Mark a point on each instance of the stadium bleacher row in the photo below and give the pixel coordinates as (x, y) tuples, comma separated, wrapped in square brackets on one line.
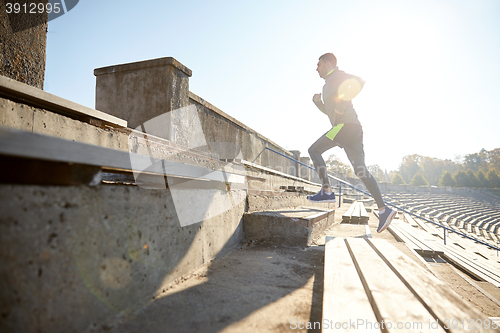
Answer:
[(478, 218)]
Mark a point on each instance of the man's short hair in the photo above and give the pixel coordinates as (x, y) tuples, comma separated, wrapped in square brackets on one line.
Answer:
[(329, 57)]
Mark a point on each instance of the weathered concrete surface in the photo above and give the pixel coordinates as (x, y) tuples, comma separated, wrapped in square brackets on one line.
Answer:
[(23, 117), (77, 256), (256, 288), (74, 257), (285, 226), (263, 181), (272, 200), (140, 91), (220, 127), (155, 94), (26, 118), (32, 96), (22, 55)]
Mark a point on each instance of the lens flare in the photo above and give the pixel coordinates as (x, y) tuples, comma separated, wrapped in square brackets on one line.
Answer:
[(349, 89)]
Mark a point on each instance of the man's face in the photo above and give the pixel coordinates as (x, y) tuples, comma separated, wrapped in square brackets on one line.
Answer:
[(322, 69)]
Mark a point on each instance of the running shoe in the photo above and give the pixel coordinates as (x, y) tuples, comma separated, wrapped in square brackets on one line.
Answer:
[(322, 196), (385, 219)]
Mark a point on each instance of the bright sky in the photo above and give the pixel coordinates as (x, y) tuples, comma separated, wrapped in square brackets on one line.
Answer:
[(432, 67)]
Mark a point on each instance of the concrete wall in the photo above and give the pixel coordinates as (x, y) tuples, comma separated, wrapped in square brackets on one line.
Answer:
[(155, 94), (27, 118), (219, 127), (73, 257), (23, 40)]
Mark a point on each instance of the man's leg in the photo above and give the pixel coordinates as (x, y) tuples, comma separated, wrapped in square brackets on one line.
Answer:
[(360, 169), (323, 144), (352, 141), (319, 147)]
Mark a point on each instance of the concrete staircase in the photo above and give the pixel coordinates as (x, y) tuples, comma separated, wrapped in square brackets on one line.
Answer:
[(285, 218)]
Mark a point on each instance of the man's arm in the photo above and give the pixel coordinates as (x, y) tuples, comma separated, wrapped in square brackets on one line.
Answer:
[(319, 103)]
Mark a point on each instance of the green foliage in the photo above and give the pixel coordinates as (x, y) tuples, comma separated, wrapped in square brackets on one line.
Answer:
[(418, 180), (446, 179), (481, 170), (494, 160), (377, 173), (460, 179), (471, 179), (431, 168), (481, 179), (477, 161), (398, 180), (493, 179), (410, 166)]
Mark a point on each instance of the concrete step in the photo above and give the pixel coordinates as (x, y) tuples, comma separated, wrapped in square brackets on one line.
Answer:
[(259, 200), (299, 226)]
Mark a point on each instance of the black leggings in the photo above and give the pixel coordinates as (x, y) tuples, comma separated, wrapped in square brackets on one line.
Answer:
[(350, 137)]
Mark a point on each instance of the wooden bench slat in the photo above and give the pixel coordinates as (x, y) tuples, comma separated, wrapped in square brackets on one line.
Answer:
[(412, 242), (344, 298), (471, 246), (422, 239), (476, 266), (410, 220), (363, 214), (346, 217), (437, 295), (387, 290), (355, 213), (427, 227)]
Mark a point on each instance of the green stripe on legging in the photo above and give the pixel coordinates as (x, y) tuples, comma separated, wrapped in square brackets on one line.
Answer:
[(334, 131)]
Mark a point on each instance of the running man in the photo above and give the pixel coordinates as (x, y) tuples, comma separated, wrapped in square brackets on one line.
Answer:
[(339, 89)]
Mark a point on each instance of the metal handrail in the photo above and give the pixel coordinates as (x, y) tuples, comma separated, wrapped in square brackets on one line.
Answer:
[(391, 204)]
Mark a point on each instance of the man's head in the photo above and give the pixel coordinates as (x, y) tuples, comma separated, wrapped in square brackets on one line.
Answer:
[(326, 63)]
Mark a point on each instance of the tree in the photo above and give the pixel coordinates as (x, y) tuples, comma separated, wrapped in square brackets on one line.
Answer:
[(431, 168), (494, 160), (471, 179), (481, 179), (410, 166), (397, 180), (418, 180), (493, 179), (446, 179), (476, 161), (335, 165), (377, 173), (460, 179)]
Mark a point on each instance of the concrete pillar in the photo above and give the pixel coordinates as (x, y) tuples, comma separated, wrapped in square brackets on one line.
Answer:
[(23, 42), (296, 155), (141, 91), (303, 171)]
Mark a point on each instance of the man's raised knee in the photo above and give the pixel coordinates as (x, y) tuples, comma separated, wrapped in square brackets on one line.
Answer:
[(311, 150)]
